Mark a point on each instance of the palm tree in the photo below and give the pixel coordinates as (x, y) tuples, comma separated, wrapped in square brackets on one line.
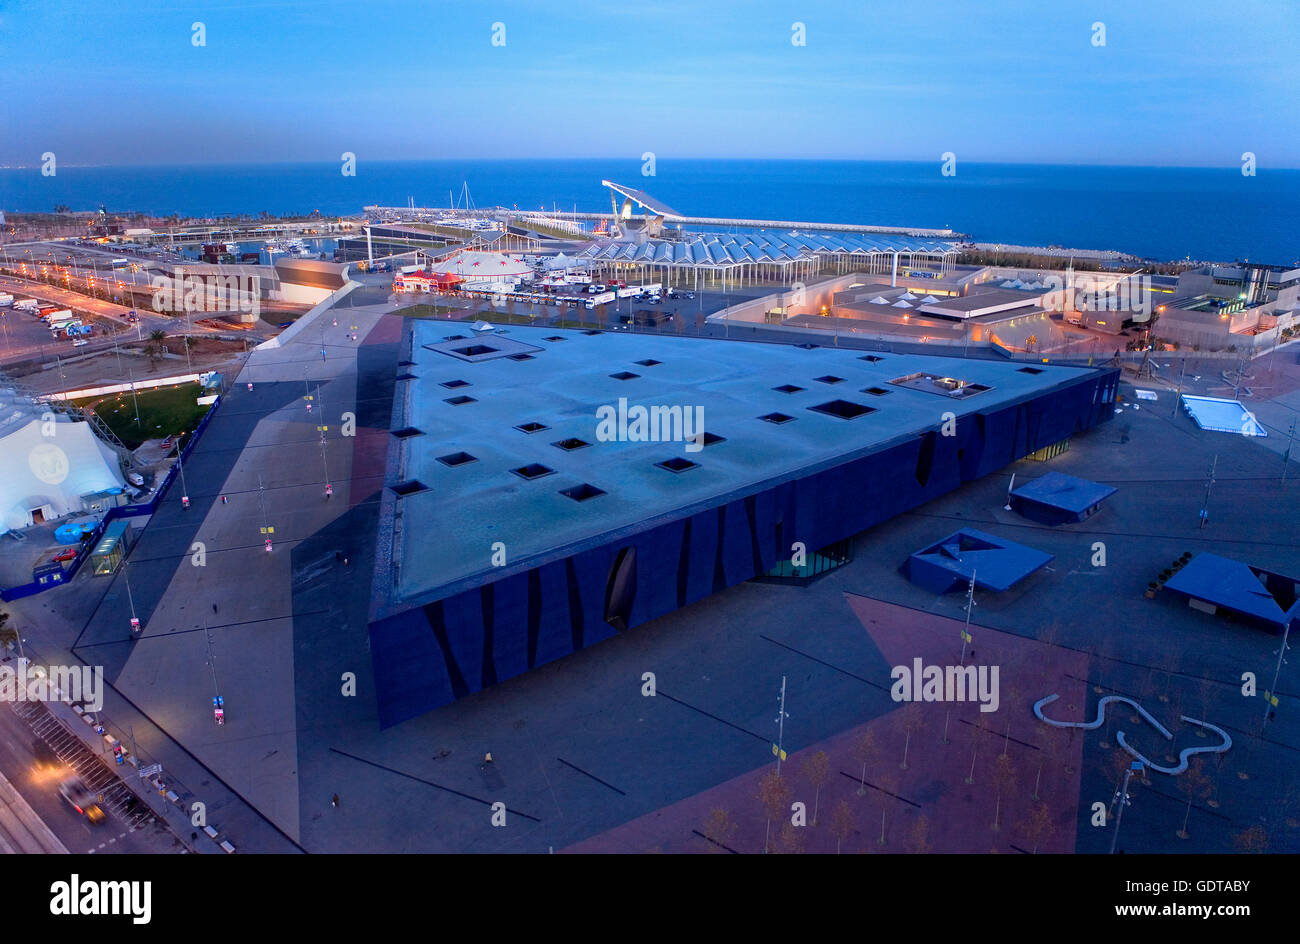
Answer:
[(158, 336)]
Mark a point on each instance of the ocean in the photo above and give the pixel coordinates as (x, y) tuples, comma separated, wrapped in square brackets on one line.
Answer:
[(1157, 213)]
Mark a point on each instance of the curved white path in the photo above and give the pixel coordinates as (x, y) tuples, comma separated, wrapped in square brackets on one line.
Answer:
[(1119, 735)]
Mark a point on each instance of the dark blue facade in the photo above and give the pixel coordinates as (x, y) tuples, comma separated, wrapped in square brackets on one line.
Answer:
[(428, 656)]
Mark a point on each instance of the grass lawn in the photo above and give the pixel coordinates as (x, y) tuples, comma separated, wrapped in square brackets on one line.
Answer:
[(423, 310), (164, 411)]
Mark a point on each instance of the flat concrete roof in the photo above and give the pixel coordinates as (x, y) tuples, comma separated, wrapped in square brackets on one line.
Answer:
[(996, 563), (1237, 586), (461, 506), (1067, 492)]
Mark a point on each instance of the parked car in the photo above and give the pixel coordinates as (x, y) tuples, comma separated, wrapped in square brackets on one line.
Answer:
[(67, 555), (135, 478), (80, 342)]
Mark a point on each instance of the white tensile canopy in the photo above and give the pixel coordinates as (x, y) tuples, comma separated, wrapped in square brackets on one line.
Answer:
[(474, 266), (46, 465)]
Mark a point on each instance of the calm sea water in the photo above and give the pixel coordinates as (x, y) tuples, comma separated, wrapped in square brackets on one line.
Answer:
[(1162, 213)]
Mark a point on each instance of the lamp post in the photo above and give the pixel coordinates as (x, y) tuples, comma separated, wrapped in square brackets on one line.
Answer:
[(135, 622), (180, 463), (1122, 798)]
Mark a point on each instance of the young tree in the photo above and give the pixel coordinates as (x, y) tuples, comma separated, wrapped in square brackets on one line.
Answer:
[(1004, 778), (1254, 839), (1207, 688), (1195, 785), (152, 352), (865, 752), (918, 837), (1038, 827), (889, 781), (774, 794), (912, 719), (1011, 701), (816, 768), (1102, 663), (790, 840), (842, 823), (718, 827)]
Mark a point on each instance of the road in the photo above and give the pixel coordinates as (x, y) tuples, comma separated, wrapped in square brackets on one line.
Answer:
[(36, 753)]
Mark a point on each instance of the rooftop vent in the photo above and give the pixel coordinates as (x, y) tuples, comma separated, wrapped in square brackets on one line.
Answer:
[(410, 487), (580, 493), (520, 357), (829, 379), (1030, 370), (875, 391), (406, 376), (944, 386), (453, 384), (844, 409), (625, 375), (592, 331), (568, 445), (457, 458), (787, 388), (649, 362), (532, 427), (871, 358), (477, 350), (677, 464), (711, 438), (777, 418), (453, 337), (459, 401), (555, 337), (807, 345), (534, 470), (406, 432)]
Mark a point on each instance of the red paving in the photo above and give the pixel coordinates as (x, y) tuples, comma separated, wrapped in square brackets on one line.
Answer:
[(959, 817)]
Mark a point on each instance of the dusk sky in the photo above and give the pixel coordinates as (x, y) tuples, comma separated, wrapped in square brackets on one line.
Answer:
[(1177, 83)]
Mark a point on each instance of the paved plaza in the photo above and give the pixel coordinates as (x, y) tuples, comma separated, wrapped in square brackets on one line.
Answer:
[(581, 758)]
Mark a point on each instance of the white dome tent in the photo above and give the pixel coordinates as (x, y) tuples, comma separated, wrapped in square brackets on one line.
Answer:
[(48, 462)]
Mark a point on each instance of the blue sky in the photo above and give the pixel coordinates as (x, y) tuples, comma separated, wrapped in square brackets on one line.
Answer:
[(1190, 83)]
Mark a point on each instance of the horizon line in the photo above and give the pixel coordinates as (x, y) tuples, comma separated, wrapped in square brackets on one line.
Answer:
[(623, 158)]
